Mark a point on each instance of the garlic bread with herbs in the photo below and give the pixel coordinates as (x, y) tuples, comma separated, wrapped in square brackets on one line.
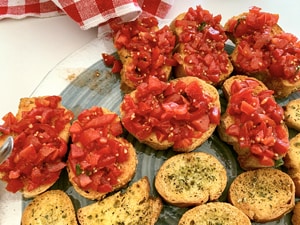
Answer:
[(53, 207), (131, 206), (214, 213), (292, 114), (190, 179), (264, 195)]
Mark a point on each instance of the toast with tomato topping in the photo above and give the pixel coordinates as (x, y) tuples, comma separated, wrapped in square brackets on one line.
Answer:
[(292, 114), (200, 46), (264, 195), (215, 213), (53, 207), (181, 114), (132, 206), (253, 123), (41, 133), (144, 50), (263, 50), (292, 162), (191, 179), (100, 160)]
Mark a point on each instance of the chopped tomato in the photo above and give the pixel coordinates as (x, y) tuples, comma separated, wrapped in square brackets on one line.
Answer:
[(96, 153), (150, 49), (38, 150), (203, 40), (257, 122), (177, 112)]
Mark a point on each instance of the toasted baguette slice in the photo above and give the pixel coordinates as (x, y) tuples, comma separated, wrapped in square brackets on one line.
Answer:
[(296, 214), (53, 207), (144, 50), (127, 167), (292, 114), (131, 115), (263, 195), (208, 52), (190, 179), (292, 162), (134, 206), (46, 104), (247, 157), (214, 213), (255, 55)]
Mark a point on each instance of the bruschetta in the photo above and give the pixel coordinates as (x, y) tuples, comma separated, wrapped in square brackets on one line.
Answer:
[(181, 114), (100, 160), (144, 50), (253, 123), (265, 51), (41, 133), (200, 46)]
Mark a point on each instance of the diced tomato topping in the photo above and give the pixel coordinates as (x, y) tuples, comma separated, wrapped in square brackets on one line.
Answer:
[(177, 112), (96, 153), (203, 40), (259, 49), (37, 156), (258, 122), (150, 49)]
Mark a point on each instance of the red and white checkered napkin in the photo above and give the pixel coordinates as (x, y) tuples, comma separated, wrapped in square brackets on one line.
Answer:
[(87, 13)]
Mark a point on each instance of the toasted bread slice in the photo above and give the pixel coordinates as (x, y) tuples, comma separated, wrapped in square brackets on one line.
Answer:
[(214, 213), (263, 195), (125, 168), (190, 179), (292, 162), (53, 207), (246, 124), (256, 51), (144, 50), (41, 116), (292, 114), (199, 53), (296, 214), (173, 117), (134, 206)]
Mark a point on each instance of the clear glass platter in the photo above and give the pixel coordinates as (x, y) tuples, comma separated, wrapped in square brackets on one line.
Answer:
[(83, 81)]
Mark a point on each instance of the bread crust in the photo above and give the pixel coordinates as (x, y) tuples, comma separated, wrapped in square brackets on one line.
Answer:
[(264, 194), (296, 214), (292, 162), (180, 70), (216, 213), (26, 105), (190, 179), (53, 207), (152, 139), (128, 169), (246, 159)]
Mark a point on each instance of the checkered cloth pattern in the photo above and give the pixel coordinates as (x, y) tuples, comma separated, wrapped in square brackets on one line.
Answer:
[(87, 13)]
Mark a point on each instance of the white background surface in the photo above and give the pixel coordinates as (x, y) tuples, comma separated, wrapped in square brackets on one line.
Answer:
[(31, 47)]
